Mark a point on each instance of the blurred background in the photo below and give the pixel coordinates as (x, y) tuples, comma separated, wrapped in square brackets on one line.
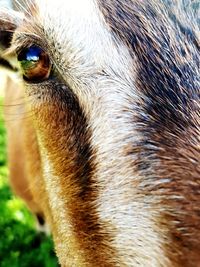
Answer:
[(20, 244)]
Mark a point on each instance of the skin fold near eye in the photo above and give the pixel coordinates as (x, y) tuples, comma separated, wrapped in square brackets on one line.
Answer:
[(35, 64)]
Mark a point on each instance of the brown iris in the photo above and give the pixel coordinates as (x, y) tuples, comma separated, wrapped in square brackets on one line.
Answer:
[(35, 64)]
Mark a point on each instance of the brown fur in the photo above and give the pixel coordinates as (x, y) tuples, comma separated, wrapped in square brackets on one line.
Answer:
[(172, 129), (119, 156)]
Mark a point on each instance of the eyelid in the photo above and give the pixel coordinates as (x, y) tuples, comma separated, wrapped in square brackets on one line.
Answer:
[(26, 40), (21, 48)]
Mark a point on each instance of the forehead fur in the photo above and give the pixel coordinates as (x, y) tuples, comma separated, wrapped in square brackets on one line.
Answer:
[(72, 26)]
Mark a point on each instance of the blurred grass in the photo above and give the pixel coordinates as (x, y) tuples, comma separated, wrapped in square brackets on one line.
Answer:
[(20, 244)]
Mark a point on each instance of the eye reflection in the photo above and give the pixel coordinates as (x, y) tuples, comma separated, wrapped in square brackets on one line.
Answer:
[(35, 64)]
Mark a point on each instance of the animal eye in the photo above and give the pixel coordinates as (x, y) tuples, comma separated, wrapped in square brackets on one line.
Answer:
[(35, 64)]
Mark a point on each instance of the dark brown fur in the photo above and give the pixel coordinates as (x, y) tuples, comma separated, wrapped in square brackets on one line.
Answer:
[(66, 138), (163, 45)]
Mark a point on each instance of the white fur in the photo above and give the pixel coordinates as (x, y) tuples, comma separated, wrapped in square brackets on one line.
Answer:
[(83, 49)]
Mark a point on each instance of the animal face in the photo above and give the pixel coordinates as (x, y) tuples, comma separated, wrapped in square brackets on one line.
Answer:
[(113, 87)]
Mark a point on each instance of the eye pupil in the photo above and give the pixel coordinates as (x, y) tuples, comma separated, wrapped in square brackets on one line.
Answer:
[(35, 64)]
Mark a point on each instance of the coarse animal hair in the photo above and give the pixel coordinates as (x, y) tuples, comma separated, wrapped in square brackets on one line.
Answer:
[(117, 124)]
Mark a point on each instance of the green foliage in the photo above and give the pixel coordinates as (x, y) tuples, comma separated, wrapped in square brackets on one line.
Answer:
[(20, 244)]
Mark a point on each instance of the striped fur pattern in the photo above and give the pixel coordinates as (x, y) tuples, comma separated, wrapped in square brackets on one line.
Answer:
[(118, 129)]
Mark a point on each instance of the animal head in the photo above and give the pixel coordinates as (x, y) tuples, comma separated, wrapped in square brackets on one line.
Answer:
[(113, 87)]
